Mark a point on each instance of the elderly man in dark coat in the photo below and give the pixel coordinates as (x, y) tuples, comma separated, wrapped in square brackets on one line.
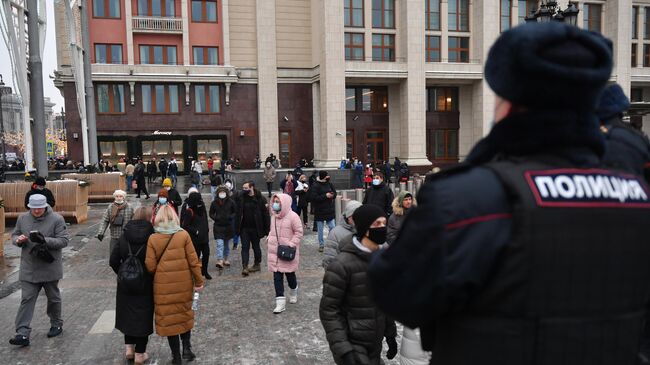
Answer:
[(42, 234)]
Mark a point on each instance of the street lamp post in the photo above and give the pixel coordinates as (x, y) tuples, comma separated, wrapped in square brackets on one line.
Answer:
[(4, 90), (549, 10)]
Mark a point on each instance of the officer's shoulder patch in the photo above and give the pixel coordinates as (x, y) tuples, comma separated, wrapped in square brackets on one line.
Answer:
[(587, 188)]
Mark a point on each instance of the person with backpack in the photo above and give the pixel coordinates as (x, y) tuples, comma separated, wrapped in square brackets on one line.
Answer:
[(222, 213), (134, 295), (194, 219), (176, 270)]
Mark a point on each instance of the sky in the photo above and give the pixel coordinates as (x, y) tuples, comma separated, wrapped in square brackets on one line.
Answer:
[(49, 62)]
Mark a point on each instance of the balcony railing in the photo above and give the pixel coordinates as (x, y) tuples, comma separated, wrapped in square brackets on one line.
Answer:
[(157, 24)]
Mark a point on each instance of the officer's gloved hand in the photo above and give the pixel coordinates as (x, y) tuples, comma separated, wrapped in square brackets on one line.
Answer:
[(349, 358), (392, 347), (100, 237)]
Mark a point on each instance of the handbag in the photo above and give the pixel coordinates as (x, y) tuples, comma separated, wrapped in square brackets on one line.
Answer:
[(285, 253)]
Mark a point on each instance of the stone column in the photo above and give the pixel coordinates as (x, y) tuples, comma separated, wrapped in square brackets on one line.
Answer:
[(186, 32), (394, 121), (617, 22), (332, 85), (128, 16), (267, 79), (412, 90), (225, 26)]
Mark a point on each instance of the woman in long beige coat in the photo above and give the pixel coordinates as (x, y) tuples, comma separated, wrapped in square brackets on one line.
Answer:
[(177, 274)]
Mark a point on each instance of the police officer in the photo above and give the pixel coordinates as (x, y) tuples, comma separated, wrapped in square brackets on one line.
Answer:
[(627, 148), (528, 253)]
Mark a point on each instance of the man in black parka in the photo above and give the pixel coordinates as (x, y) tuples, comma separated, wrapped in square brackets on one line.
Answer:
[(531, 252)]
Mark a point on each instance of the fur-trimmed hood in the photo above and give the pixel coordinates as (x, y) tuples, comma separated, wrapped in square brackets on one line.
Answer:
[(399, 199)]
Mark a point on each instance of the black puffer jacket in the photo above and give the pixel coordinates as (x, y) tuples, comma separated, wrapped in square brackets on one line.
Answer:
[(323, 206), (194, 219), (134, 312), (381, 196), (222, 212), (351, 320), (257, 206)]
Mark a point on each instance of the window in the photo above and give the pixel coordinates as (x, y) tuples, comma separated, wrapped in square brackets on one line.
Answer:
[(160, 99), (349, 143), (383, 47), (285, 147), (592, 17), (505, 15), (353, 13), (206, 55), (635, 22), (383, 13), (646, 55), (445, 144), (633, 55), (433, 14), (106, 8), (354, 46), (374, 100), (636, 94), (350, 99), (458, 49), (110, 99), (108, 53), (646, 23), (433, 49), (204, 11), (206, 98), (458, 15), (165, 8), (442, 99), (158, 55), (525, 8)]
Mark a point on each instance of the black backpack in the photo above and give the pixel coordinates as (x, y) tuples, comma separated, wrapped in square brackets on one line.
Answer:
[(130, 275)]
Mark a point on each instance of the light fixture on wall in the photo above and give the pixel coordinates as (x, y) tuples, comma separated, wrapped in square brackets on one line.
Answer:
[(356, 117), (241, 133), (339, 134), (285, 118), (75, 135), (549, 10)]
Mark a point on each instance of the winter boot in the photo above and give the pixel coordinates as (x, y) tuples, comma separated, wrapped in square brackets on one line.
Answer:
[(245, 272), (280, 305), (254, 268), (293, 295), (187, 352), (177, 359)]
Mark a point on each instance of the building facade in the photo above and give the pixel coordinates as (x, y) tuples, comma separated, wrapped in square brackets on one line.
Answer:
[(373, 79)]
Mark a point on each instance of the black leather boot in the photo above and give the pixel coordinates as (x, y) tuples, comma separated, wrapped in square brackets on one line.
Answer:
[(187, 352)]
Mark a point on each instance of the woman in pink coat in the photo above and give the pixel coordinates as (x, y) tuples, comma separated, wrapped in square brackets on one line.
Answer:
[(286, 230)]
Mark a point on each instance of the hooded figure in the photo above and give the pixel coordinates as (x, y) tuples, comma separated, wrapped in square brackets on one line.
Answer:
[(222, 213), (194, 219), (399, 212)]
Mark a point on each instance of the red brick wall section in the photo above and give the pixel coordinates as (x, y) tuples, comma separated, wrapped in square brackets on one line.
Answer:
[(295, 102)]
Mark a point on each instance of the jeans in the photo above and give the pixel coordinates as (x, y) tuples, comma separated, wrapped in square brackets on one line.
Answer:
[(250, 238), (278, 282), (223, 249), (173, 178), (330, 224), (139, 342), (235, 239), (213, 189), (129, 181)]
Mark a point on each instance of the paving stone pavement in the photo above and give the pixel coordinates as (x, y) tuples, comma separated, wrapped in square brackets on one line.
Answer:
[(234, 324)]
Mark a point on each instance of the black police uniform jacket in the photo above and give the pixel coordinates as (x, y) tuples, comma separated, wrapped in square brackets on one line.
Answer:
[(627, 149), (530, 253)]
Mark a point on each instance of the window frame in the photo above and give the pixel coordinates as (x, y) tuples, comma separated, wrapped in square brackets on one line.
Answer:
[(163, 8), (165, 53), (206, 55), (529, 6), (501, 16), (383, 46), (451, 106), (107, 7), (446, 137), (458, 15), (646, 55), (646, 23), (458, 49), (204, 11), (348, 6), (206, 98), (633, 55), (349, 36), (166, 96), (111, 98), (587, 12), (428, 49), (635, 22), (109, 53), (383, 10), (428, 14)]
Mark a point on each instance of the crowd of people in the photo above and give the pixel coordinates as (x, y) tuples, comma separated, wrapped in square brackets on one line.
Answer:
[(516, 256)]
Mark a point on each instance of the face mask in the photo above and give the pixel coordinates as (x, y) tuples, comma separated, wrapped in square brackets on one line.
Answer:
[(222, 195), (168, 188), (276, 207), (162, 200), (375, 182), (40, 187), (246, 191), (377, 235), (119, 201), (229, 186)]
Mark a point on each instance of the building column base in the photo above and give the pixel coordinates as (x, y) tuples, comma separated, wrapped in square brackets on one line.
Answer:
[(423, 161), (327, 164)]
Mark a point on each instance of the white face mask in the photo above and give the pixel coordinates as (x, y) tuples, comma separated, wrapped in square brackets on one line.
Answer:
[(168, 188), (119, 201), (222, 195)]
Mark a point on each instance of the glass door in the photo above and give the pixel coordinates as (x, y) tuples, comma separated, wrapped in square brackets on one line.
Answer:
[(375, 145)]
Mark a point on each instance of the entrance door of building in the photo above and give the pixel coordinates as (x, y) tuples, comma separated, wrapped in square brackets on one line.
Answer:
[(205, 148), (375, 142), (164, 148), (285, 148)]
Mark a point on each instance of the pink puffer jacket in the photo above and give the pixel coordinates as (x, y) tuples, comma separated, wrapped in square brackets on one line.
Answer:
[(289, 232)]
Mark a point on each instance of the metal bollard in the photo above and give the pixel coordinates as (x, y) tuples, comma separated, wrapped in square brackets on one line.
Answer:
[(402, 186), (359, 195), (337, 209), (418, 185), (409, 185)]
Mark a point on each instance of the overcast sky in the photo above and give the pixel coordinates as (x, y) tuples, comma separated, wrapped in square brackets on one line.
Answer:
[(49, 62)]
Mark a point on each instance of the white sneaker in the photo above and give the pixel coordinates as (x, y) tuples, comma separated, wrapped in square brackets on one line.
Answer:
[(293, 295), (280, 305)]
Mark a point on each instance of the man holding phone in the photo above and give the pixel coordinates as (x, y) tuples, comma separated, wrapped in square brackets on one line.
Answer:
[(42, 234)]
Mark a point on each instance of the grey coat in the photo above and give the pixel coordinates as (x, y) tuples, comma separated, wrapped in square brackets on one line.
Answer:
[(52, 226), (340, 236)]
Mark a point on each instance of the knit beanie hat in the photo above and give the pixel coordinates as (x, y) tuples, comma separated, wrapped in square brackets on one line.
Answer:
[(192, 190), (364, 216), (612, 103), (350, 208), (163, 193), (322, 174), (549, 65), (167, 182), (194, 200)]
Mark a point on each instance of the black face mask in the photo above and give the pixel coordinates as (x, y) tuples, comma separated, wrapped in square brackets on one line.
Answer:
[(377, 235)]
